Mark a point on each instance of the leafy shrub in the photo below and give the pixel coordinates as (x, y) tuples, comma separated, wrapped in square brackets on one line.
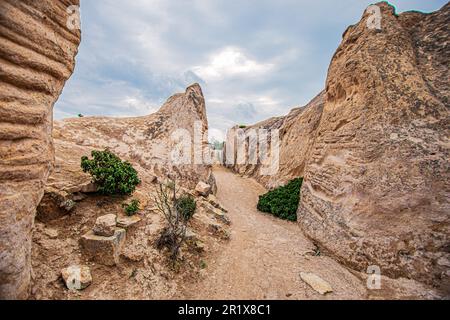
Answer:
[(112, 175), (132, 208), (186, 206), (282, 202), (242, 126)]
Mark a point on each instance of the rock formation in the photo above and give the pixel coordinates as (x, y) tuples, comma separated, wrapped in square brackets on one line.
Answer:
[(297, 133), (147, 142), (377, 184), (36, 58), (375, 153)]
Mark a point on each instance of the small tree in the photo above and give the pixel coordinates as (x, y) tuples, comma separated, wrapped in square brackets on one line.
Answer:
[(177, 213)]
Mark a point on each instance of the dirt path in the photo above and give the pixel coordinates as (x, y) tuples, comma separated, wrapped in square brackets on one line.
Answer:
[(266, 255)]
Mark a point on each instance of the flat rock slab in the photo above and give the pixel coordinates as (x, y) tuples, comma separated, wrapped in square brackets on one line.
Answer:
[(103, 250), (76, 277), (127, 222), (316, 282)]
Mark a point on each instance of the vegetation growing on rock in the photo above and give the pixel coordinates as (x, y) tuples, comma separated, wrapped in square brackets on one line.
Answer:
[(283, 201), (131, 208), (186, 205), (112, 175)]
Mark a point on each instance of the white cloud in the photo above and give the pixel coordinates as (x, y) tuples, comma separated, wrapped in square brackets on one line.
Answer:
[(229, 62)]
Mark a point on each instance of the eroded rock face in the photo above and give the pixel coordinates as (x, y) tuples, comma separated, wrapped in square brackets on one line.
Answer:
[(36, 58), (373, 149), (147, 142), (297, 133), (377, 184)]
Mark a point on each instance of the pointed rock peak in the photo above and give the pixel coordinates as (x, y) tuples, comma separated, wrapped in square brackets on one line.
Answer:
[(195, 89), (190, 103)]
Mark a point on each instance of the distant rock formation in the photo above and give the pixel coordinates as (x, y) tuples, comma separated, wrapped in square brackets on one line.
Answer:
[(147, 142), (297, 132), (376, 159), (36, 58)]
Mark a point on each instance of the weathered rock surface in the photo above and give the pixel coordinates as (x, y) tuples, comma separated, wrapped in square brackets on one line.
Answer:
[(203, 189), (316, 282), (148, 142), (297, 132), (77, 277), (103, 250), (105, 226), (36, 58), (128, 222), (377, 184), (373, 148)]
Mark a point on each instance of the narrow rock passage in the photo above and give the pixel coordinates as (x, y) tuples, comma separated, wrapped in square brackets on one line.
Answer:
[(266, 255)]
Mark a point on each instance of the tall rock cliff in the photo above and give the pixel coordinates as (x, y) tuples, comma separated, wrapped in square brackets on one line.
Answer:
[(377, 184), (373, 148), (37, 53)]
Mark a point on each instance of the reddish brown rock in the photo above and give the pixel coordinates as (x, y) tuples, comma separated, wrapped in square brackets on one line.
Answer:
[(36, 58)]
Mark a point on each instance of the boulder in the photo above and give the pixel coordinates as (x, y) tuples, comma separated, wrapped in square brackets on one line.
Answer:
[(203, 189), (316, 282), (103, 250), (105, 226), (77, 277)]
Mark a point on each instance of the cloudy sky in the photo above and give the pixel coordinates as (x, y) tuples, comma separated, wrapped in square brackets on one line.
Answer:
[(254, 59)]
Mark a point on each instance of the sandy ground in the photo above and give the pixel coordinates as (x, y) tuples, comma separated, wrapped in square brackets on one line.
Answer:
[(266, 255)]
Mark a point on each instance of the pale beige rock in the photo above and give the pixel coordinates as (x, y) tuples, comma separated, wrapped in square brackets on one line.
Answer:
[(51, 233), (37, 56), (105, 226), (146, 142), (316, 282), (377, 182), (103, 250), (203, 189), (128, 222), (296, 132), (77, 277), (373, 148)]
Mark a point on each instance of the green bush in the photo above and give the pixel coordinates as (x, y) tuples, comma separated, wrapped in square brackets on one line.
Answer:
[(132, 208), (282, 202), (112, 175), (186, 206)]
